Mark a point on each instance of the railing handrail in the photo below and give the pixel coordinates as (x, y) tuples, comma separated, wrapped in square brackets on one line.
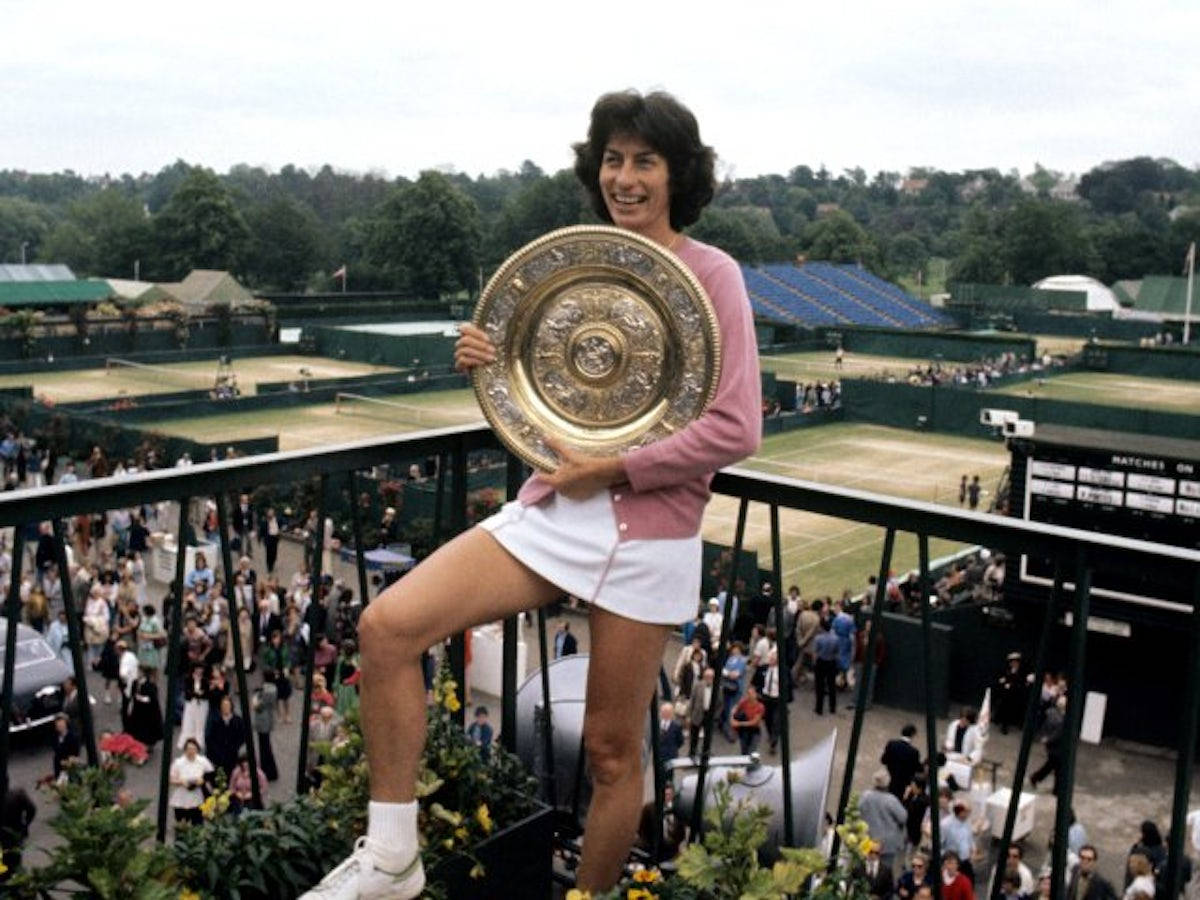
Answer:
[(203, 479), (207, 478)]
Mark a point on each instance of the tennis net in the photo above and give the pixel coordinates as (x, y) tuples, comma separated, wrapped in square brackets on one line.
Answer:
[(149, 376), (399, 412)]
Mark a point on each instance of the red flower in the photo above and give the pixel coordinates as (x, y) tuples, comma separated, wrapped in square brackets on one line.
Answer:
[(125, 746)]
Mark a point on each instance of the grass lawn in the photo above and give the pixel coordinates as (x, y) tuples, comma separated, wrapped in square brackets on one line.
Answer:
[(97, 384), (819, 365), (1112, 389), (824, 555), (321, 424)]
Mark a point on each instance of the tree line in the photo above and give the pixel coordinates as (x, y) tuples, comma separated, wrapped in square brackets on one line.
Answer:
[(443, 233)]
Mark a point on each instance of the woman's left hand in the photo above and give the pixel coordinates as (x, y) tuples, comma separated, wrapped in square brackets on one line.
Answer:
[(578, 475)]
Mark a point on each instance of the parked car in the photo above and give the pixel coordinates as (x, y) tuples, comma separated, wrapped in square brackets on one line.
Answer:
[(37, 679)]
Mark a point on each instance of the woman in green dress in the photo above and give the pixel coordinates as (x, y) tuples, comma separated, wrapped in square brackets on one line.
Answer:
[(151, 638)]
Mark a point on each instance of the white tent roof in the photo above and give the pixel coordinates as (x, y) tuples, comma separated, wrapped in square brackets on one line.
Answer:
[(1099, 297)]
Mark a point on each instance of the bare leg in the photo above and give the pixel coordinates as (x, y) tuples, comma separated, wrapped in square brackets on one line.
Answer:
[(625, 658), (469, 581)]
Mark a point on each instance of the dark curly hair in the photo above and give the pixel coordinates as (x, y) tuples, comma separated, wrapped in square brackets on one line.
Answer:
[(666, 125)]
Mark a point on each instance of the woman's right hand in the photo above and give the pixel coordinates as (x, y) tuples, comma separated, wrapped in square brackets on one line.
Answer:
[(473, 348)]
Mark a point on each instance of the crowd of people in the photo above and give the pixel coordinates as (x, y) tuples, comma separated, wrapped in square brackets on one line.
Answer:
[(818, 395), (976, 374), (126, 629), (821, 642)]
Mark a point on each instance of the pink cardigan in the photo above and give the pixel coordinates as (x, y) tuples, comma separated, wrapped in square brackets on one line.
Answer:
[(669, 479)]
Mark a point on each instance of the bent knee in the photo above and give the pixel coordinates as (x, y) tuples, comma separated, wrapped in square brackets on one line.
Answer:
[(613, 759), (386, 627)]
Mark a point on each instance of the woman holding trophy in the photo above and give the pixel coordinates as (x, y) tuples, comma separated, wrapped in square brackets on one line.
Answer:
[(619, 529)]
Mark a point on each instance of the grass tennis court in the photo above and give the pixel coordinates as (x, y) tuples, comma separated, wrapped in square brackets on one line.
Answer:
[(825, 555), (97, 384), (321, 424), (1111, 389), (819, 365)]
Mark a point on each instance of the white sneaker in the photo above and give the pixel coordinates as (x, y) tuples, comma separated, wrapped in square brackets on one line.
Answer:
[(360, 878)]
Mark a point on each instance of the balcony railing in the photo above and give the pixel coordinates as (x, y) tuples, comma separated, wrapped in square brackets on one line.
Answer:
[(1074, 553)]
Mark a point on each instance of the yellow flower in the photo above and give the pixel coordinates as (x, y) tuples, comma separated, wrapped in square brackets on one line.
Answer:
[(639, 894), (3, 867), (484, 818), (460, 833), (477, 871), (451, 702), (186, 894), (448, 843), (646, 876), (577, 894), (208, 808), (851, 841)]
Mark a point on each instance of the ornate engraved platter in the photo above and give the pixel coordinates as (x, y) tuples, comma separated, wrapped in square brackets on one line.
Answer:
[(603, 338)]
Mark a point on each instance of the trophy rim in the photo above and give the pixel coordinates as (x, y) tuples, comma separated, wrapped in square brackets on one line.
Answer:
[(481, 375)]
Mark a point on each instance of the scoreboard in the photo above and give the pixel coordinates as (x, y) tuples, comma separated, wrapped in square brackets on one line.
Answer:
[(1135, 486)]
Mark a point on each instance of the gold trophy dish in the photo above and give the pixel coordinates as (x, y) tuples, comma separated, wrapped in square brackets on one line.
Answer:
[(603, 339)]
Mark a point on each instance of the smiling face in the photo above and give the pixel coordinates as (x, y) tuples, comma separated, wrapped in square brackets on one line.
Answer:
[(635, 184)]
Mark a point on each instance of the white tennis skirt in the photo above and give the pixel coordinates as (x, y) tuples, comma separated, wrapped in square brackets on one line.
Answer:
[(574, 545)]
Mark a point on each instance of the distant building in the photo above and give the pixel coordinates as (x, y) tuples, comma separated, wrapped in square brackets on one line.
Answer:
[(913, 186), (207, 287), (39, 286), (35, 272), (1099, 297), (825, 210)]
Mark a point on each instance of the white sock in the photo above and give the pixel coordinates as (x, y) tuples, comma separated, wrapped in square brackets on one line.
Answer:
[(392, 830)]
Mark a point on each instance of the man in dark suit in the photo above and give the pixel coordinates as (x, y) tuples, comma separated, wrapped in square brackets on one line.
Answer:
[(265, 622), (670, 733), (65, 744), (674, 829), (243, 524), (564, 642), (224, 736), (902, 760), (1086, 883), (699, 701), (880, 883)]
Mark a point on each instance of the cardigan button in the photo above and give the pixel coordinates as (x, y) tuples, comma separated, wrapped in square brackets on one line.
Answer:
[(624, 526), (616, 498)]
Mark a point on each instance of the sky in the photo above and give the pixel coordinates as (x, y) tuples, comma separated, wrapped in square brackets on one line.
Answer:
[(475, 87)]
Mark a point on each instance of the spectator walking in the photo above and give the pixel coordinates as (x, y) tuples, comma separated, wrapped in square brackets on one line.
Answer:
[(480, 733), (956, 884), (916, 876), (65, 744), (187, 776), (564, 642), (1086, 883), (241, 788), (225, 735), (1052, 740), (262, 711), (958, 838), (826, 667), (670, 733), (902, 760), (698, 704), (885, 817), (747, 717)]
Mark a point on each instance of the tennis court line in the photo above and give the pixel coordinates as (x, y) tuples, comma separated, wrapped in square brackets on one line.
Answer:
[(851, 549)]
